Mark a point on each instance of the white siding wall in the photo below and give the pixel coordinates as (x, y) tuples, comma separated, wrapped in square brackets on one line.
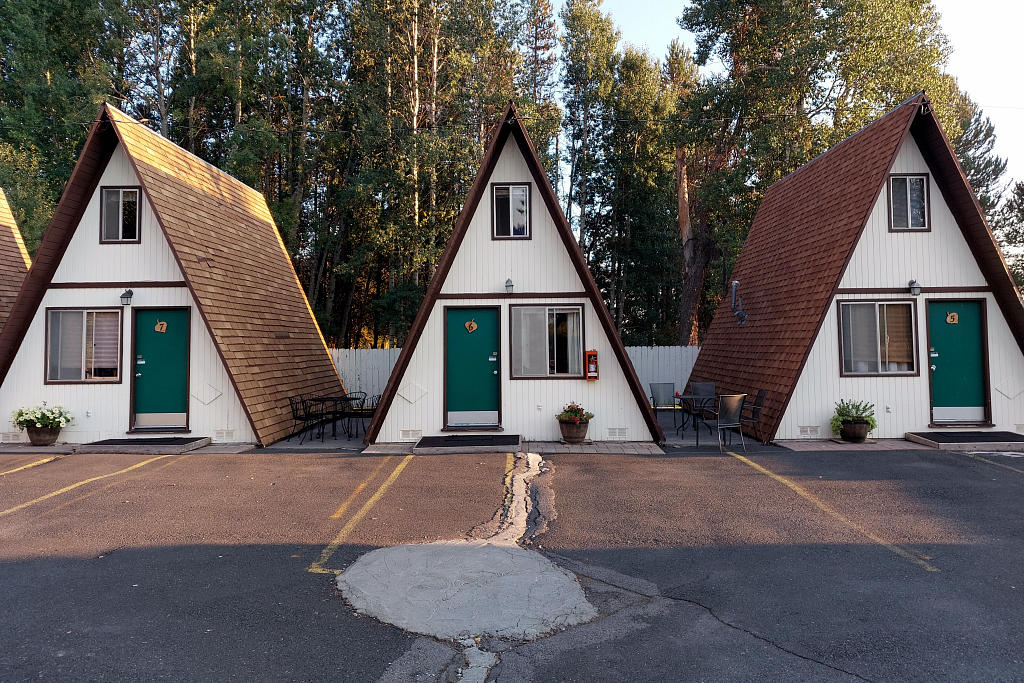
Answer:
[(540, 264), (101, 411), (528, 406), (940, 258), (86, 260)]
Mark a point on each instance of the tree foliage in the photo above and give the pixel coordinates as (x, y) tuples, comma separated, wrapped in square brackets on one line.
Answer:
[(363, 122)]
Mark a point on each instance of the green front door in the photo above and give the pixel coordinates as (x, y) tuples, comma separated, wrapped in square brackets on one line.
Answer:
[(161, 368), (472, 372), (956, 359)]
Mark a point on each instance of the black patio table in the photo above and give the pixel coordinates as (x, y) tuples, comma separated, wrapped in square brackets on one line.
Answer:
[(693, 405), (335, 408)]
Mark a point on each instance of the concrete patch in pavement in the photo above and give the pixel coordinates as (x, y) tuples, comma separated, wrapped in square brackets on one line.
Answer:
[(462, 589)]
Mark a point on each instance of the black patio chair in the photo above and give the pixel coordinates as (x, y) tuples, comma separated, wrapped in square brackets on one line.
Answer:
[(730, 415), (663, 397), (755, 408), (302, 419), (701, 406)]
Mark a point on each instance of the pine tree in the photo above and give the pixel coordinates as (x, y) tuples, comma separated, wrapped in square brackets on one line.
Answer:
[(983, 168)]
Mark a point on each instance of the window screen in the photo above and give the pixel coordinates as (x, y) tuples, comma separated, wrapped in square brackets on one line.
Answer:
[(120, 215), (83, 346), (877, 338), (546, 341), (511, 208), (909, 202)]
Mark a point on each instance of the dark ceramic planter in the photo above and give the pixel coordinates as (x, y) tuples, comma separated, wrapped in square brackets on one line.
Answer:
[(573, 432), (43, 436), (854, 431)]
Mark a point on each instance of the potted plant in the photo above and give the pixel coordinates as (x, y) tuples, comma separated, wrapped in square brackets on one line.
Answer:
[(42, 422), (573, 422), (853, 420)]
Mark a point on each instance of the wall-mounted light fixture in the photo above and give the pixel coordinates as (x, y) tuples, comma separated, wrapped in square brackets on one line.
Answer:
[(914, 287), (126, 297), (737, 303), (508, 286)]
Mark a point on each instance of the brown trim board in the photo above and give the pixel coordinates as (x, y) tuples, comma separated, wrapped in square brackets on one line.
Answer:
[(515, 295), (511, 124), (117, 285)]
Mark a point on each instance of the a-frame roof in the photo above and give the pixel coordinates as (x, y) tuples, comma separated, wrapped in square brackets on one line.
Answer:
[(232, 258), (14, 259), (802, 239), (512, 125)]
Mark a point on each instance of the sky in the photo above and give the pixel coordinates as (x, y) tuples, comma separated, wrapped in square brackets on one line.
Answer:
[(985, 35)]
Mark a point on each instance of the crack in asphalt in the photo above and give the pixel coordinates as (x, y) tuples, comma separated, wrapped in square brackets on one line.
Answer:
[(578, 569)]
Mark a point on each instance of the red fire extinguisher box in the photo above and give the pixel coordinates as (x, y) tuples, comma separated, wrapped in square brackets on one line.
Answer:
[(592, 371)]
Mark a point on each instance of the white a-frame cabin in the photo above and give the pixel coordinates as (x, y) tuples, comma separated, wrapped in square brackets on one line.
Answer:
[(512, 319), (161, 301)]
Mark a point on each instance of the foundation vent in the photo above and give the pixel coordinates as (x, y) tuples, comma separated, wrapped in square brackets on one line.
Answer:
[(618, 434), (810, 431), (10, 437), (411, 434), (224, 434)]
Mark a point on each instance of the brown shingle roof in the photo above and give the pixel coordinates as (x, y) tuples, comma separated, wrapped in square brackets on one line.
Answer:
[(802, 238), (14, 260), (231, 255)]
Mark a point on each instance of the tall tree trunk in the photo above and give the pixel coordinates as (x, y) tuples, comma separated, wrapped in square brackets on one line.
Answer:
[(695, 257)]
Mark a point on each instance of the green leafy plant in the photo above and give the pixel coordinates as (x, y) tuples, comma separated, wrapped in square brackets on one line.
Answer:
[(41, 416), (853, 410), (574, 412)]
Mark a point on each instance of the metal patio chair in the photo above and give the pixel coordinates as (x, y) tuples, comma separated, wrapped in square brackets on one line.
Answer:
[(730, 416), (701, 407), (755, 408), (663, 397), (302, 419)]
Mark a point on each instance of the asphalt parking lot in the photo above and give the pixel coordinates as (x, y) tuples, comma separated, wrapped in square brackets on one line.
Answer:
[(197, 567), (704, 566)]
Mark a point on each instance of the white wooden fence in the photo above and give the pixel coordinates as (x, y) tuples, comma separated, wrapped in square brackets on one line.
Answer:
[(368, 369)]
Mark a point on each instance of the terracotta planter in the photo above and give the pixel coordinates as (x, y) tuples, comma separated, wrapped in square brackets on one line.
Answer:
[(573, 432), (43, 436), (854, 431)]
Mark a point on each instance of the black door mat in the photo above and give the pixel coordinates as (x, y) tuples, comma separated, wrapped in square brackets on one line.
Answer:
[(161, 441), (468, 443), (969, 441), (468, 440), (970, 437), (162, 445)]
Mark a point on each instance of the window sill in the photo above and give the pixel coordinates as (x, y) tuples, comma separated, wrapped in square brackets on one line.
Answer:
[(958, 425)]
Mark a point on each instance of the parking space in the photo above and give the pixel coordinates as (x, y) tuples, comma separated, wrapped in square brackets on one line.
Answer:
[(886, 566), (196, 566)]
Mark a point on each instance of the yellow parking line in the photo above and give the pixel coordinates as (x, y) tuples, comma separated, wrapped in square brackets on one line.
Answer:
[(72, 487), (348, 501), (835, 514), (319, 566), (31, 464), (993, 462)]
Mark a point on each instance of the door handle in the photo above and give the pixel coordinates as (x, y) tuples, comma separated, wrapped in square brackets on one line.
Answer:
[(932, 367), (138, 374), (495, 372)]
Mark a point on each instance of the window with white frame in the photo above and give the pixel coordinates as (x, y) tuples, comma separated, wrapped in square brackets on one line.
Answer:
[(908, 202), (547, 341), (877, 338), (119, 220), (83, 345), (511, 207)]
